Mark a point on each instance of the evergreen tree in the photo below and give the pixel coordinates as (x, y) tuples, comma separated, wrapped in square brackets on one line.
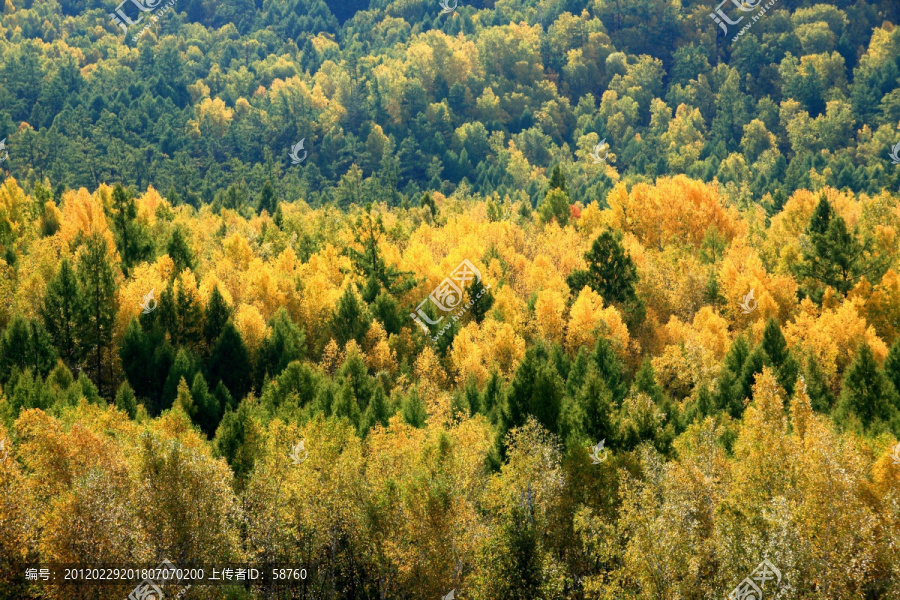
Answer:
[(413, 410), (867, 394), (229, 362), (558, 181), (185, 367), (611, 272), (180, 251), (184, 400), (591, 413), (369, 233), (730, 395), (892, 365), (239, 441), (267, 200), (216, 316), (610, 369), (97, 312), (775, 347), (482, 305), (185, 319), (428, 201), (283, 345), (834, 257), (131, 241), (350, 320), (209, 412), (125, 400), (377, 413), (346, 405), (25, 344), (60, 312), (555, 206), (537, 390)]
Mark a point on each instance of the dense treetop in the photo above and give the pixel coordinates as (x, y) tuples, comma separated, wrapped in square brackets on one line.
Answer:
[(395, 96)]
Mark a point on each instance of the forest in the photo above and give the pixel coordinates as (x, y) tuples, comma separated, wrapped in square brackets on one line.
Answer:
[(548, 299)]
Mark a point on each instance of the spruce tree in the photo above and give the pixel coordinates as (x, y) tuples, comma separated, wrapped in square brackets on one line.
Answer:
[(537, 390), (25, 344), (131, 240), (125, 400), (179, 251), (216, 316), (267, 199), (413, 410), (185, 367), (229, 362), (284, 344), (611, 272), (867, 394), (97, 312), (350, 320), (60, 311), (209, 412)]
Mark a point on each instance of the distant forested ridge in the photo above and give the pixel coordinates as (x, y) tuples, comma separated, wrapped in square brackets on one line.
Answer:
[(395, 98)]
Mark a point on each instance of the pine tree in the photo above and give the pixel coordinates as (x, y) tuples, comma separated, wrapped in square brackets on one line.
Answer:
[(350, 320), (483, 304), (834, 257), (184, 368), (413, 410), (97, 312), (558, 181), (125, 400), (284, 344), (184, 400), (239, 441), (229, 362), (60, 311), (369, 263), (377, 413), (775, 347), (267, 200), (867, 394), (209, 413), (216, 316), (185, 324), (537, 390), (611, 272), (131, 241), (179, 251), (555, 206), (892, 365), (731, 394), (25, 344), (610, 369)]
